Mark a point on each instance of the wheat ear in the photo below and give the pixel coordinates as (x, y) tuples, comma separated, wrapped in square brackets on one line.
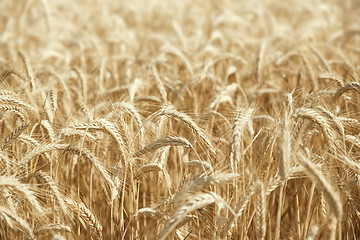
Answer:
[(29, 71), (197, 201), (11, 217), (261, 212), (94, 161), (54, 100), (52, 227), (189, 123), (159, 83), (201, 164), (200, 184), (51, 185), (81, 105), (347, 87), (317, 117), (167, 141), (16, 133), (130, 109), (8, 73), (329, 75), (331, 196), (228, 91), (47, 125), (12, 182), (176, 52), (242, 120), (17, 110), (40, 149), (112, 130), (83, 82), (152, 167), (87, 216), (149, 212)]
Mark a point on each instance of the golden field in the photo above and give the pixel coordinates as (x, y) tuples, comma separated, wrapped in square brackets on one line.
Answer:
[(179, 119)]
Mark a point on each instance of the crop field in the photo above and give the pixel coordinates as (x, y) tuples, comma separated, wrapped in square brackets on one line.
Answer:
[(192, 119)]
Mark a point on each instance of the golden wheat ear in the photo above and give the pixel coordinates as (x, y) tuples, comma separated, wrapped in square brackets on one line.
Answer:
[(87, 216), (16, 222), (347, 87)]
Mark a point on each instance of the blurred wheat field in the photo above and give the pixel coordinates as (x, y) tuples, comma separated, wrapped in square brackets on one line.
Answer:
[(179, 119)]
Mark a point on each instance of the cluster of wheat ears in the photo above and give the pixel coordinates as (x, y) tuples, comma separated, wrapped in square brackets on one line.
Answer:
[(179, 119)]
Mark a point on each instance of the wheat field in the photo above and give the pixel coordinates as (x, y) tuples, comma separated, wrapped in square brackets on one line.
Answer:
[(215, 119)]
